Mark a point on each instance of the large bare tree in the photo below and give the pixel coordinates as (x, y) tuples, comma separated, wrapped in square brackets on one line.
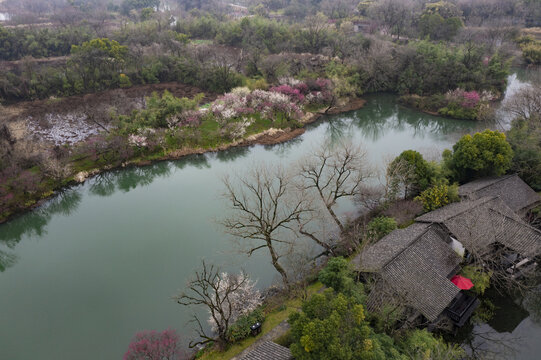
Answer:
[(265, 212), (332, 173)]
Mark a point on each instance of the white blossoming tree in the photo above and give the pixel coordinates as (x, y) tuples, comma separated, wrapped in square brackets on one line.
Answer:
[(226, 297)]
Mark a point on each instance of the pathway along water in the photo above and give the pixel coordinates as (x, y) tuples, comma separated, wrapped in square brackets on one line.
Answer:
[(101, 262)]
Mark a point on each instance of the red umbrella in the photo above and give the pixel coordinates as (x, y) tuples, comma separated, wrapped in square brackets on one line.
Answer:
[(461, 282)]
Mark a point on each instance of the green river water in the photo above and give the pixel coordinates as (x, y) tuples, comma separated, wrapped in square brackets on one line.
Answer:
[(100, 262)]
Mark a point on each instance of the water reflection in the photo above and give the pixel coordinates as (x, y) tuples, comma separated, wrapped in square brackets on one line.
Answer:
[(230, 154), (282, 149), (532, 302), (34, 224), (382, 115), (339, 129), (197, 161), (508, 314)]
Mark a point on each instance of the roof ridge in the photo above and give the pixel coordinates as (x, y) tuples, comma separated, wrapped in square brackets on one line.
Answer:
[(499, 179), (485, 200)]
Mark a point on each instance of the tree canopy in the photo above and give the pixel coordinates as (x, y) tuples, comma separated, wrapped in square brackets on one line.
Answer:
[(484, 154)]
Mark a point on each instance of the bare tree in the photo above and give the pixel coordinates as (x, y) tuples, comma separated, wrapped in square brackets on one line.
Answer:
[(225, 296), (395, 15), (335, 173), (266, 211), (303, 269), (526, 103)]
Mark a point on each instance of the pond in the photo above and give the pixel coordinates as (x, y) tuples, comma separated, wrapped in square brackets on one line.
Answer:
[(101, 262)]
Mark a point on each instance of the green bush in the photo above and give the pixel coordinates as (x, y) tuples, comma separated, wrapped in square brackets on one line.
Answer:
[(457, 111), (337, 274), (380, 226), (241, 328), (532, 53), (438, 196), (484, 154)]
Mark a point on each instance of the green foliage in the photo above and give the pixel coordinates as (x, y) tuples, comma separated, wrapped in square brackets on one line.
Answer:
[(128, 5), (258, 83), (485, 311), (427, 68), (524, 137), (531, 49), (440, 21), (422, 345), (347, 81), (255, 33), (16, 43), (156, 113), (410, 173), (456, 111), (380, 226), (241, 328), (479, 277), (532, 53), (337, 274), (483, 154), (285, 340), (438, 196), (333, 326), (146, 13), (98, 63)]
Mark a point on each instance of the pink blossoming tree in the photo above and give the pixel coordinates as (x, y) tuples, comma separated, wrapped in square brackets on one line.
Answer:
[(153, 345)]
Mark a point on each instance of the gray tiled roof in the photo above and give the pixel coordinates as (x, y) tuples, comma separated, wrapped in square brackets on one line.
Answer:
[(514, 192), (518, 236), (268, 350), (378, 255), (482, 222), (419, 274), (447, 212), (417, 270)]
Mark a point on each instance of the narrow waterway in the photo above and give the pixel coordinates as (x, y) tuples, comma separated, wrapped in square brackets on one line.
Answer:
[(99, 263)]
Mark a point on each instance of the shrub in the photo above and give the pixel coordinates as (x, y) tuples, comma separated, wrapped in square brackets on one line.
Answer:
[(241, 328), (337, 274), (438, 196), (380, 226), (532, 53), (420, 344), (257, 84)]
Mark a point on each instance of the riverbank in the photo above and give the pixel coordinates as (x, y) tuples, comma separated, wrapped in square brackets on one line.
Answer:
[(268, 136), (148, 227)]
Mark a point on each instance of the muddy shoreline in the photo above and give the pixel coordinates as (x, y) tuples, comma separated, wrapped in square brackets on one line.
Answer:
[(270, 136)]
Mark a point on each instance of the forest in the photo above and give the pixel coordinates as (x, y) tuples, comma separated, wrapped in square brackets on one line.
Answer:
[(135, 82)]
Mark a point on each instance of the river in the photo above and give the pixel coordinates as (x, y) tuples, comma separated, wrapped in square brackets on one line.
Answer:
[(99, 263)]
